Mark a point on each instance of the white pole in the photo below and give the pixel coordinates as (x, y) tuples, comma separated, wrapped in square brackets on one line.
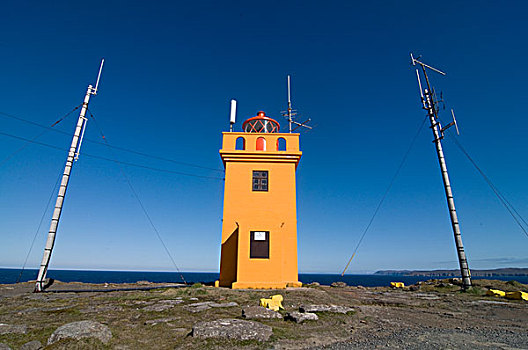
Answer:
[(437, 134), (74, 150), (232, 118)]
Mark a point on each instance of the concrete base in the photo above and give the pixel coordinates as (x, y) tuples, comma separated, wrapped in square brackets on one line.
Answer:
[(265, 285)]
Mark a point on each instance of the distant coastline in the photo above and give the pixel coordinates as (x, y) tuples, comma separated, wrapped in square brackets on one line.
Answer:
[(510, 271)]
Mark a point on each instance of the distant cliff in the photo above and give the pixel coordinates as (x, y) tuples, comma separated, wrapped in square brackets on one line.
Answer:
[(510, 271)]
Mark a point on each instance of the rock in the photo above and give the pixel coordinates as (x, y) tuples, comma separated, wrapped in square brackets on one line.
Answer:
[(11, 328), (259, 312), (229, 304), (163, 305), (121, 347), (443, 285), (313, 284), (201, 304), (143, 283), (414, 288), (197, 307), (300, 317), (171, 291), (193, 299), (456, 281), (338, 284), (232, 329), (325, 308), (81, 329), (4, 347), (171, 301), (104, 308), (180, 331), (160, 320), (158, 307), (45, 309), (32, 345)]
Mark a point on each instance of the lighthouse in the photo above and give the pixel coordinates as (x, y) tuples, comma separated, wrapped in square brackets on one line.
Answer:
[(259, 227)]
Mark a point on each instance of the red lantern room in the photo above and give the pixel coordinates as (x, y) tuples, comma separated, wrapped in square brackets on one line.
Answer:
[(261, 124)]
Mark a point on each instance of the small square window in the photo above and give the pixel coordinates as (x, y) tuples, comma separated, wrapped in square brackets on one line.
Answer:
[(260, 180)]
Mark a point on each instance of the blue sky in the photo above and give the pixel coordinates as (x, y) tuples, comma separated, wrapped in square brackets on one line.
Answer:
[(171, 69)]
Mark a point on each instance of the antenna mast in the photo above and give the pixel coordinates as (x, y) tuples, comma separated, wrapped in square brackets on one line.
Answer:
[(289, 105), (430, 105), (73, 155), (290, 113)]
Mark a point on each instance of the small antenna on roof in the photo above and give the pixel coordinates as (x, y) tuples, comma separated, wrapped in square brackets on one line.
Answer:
[(232, 118), (290, 113)]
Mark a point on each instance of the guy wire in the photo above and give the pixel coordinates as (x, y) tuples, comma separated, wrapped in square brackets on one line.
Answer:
[(385, 194), (140, 202)]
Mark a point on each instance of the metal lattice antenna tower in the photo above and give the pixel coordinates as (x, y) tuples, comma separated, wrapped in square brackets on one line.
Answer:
[(290, 113), (73, 155), (430, 105)]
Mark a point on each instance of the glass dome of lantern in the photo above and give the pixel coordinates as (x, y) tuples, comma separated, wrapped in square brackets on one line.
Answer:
[(261, 124)]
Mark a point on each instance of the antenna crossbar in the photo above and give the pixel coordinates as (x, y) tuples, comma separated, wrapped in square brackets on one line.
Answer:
[(414, 61)]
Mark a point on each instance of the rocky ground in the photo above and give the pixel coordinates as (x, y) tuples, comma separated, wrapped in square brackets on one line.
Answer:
[(431, 315)]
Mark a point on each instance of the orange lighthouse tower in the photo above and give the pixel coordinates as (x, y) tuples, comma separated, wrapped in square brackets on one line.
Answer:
[(259, 229)]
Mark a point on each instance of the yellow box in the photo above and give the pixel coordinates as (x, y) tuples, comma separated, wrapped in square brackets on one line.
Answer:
[(496, 293), (517, 295), (397, 284)]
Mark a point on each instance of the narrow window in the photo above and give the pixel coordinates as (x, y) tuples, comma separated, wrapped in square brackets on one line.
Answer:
[(281, 144), (240, 144), (260, 180), (259, 245), (261, 144)]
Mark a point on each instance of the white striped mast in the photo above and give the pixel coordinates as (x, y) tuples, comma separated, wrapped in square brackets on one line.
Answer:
[(430, 105), (73, 155)]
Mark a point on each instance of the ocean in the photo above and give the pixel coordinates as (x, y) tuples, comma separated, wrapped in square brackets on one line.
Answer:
[(8, 276)]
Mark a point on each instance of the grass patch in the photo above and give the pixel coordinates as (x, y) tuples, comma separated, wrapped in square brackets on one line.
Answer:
[(15, 341), (515, 284), (81, 344), (477, 291)]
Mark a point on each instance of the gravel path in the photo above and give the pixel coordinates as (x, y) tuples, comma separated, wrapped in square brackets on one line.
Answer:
[(425, 339)]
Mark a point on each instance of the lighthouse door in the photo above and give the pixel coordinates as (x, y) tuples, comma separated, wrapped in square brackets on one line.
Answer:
[(259, 245)]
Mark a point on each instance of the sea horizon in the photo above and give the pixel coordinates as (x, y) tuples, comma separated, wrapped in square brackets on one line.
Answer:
[(11, 275)]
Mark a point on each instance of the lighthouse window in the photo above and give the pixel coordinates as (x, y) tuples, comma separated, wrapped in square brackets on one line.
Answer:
[(281, 144), (240, 144), (260, 180), (259, 245)]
